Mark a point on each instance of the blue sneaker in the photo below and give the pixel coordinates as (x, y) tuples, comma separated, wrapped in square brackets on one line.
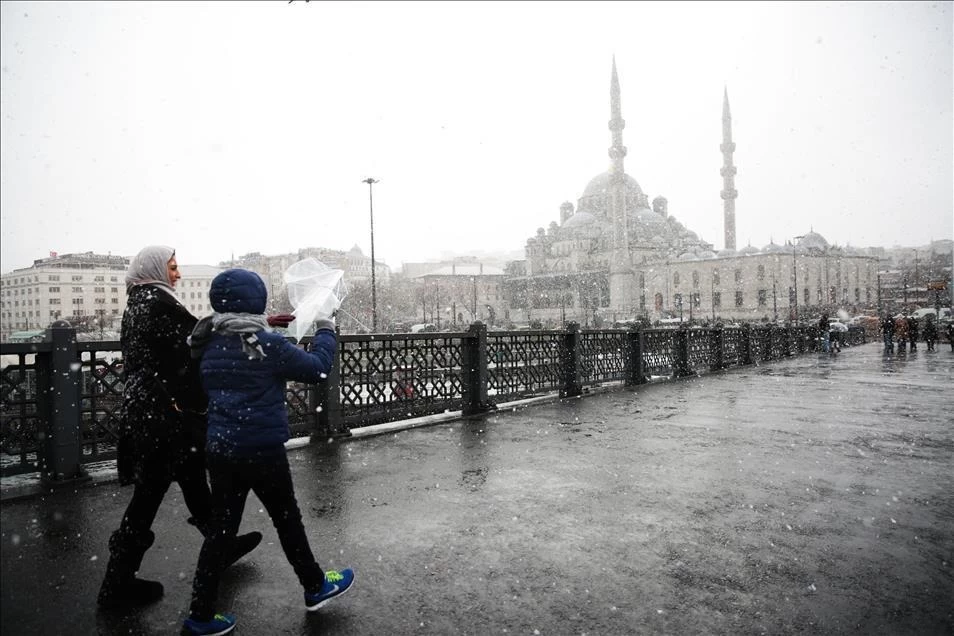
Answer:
[(336, 583), (220, 624)]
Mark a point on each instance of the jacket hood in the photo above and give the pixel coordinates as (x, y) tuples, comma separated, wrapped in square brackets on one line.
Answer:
[(238, 291)]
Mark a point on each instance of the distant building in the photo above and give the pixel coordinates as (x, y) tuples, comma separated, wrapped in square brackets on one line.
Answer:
[(615, 257), (73, 287), (355, 265), (459, 293), (192, 290)]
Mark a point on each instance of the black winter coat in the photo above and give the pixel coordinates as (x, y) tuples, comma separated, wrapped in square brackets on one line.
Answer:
[(162, 421)]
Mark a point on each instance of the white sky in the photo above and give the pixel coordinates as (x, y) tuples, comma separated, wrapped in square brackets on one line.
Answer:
[(231, 127)]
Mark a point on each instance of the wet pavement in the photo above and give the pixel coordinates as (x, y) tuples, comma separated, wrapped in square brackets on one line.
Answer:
[(813, 495)]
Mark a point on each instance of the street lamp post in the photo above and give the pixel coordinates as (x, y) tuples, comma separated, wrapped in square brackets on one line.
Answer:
[(795, 277), (374, 292)]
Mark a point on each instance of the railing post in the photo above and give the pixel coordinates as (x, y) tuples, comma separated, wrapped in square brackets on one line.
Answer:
[(745, 344), (634, 361), (571, 362), (474, 370), (717, 347), (326, 396), (680, 366), (60, 394)]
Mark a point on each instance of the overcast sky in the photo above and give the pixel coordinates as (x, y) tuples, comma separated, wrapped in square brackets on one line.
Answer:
[(232, 127)]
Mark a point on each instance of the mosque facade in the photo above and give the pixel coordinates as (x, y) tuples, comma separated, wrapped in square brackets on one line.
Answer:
[(616, 256)]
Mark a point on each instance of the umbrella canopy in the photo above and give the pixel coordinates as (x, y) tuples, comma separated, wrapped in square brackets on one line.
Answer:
[(315, 291)]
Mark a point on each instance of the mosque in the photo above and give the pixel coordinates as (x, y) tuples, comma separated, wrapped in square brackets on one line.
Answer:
[(614, 257)]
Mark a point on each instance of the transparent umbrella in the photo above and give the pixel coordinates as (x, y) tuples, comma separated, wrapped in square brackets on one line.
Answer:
[(315, 291)]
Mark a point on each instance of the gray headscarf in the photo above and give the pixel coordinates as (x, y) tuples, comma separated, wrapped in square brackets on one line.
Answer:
[(151, 267)]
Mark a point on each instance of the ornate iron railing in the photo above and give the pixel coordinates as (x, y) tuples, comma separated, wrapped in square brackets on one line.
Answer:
[(376, 378)]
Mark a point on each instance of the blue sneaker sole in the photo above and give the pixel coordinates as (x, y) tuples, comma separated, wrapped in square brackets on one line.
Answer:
[(325, 601)]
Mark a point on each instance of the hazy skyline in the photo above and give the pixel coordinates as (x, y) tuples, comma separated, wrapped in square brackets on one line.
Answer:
[(225, 128)]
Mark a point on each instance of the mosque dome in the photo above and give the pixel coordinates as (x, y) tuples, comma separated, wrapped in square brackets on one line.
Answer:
[(648, 222), (727, 252), (773, 248), (813, 241), (687, 256), (579, 220), (599, 186), (748, 250), (707, 254)]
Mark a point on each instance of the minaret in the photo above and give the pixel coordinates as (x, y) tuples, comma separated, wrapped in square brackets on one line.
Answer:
[(621, 270), (729, 193)]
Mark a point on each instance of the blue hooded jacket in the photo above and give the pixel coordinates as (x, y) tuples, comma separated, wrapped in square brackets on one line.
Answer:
[(247, 412)]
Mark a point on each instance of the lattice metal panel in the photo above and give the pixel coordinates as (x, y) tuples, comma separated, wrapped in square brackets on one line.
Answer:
[(659, 351), (522, 364), (390, 378), (732, 353), (301, 419), (101, 389), (19, 420), (603, 356), (700, 350)]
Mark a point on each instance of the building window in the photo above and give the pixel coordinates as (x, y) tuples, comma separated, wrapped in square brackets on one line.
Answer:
[(54, 301), (694, 299), (53, 277), (658, 301), (53, 290), (807, 295), (857, 294), (695, 279), (77, 290), (99, 290), (675, 279), (738, 299), (738, 275), (717, 300), (77, 301), (761, 272), (99, 279), (78, 278), (763, 295)]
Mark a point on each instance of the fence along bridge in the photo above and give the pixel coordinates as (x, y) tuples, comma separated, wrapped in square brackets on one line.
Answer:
[(60, 399)]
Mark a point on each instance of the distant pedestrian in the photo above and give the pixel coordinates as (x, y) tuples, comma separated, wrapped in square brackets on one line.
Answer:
[(913, 332), (244, 368), (930, 332), (887, 333), (161, 425), (901, 332), (823, 333)]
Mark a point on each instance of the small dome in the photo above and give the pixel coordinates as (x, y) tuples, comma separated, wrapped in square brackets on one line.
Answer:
[(812, 241), (748, 250), (772, 248), (727, 252), (649, 219), (579, 220), (687, 256), (692, 236), (706, 254)]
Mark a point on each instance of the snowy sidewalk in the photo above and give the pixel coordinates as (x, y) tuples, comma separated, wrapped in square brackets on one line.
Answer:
[(811, 495)]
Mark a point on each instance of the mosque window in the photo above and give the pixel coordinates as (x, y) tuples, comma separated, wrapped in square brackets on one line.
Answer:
[(761, 272), (763, 297), (675, 279), (658, 301), (716, 300), (738, 275), (715, 277), (738, 299), (695, 279)]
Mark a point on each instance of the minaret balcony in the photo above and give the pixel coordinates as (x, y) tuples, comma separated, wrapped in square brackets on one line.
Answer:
[(729, 194), (728, 171)]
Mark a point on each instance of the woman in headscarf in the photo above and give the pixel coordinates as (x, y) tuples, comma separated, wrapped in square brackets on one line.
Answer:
[(162, 424)]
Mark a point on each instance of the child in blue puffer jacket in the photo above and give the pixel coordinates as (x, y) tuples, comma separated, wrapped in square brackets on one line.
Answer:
[(244, 368)]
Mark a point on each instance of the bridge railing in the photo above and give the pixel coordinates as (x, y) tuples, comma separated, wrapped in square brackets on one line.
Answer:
[(60, 399)]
